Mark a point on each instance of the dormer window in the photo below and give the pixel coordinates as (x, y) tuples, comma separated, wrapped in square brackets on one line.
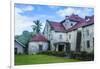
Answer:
[(71, 24)]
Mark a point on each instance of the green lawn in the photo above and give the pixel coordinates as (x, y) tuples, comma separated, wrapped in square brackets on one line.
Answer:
[(40, 59)]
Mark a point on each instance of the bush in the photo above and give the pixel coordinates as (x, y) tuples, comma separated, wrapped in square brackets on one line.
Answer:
[(82, 56), (87, 56)]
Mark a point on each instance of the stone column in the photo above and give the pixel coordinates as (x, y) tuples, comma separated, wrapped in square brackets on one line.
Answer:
[(64, 48)]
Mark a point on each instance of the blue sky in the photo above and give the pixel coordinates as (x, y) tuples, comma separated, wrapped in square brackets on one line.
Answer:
[(25, 14)]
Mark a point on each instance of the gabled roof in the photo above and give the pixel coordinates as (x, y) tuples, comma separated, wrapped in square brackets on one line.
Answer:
[(39, 38), (76, 18), (77, 25), (19, 43), (90, 21), (57, 26), (82, 24)]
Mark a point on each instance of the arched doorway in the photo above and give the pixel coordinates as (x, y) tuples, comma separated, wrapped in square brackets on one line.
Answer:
[(61, 48)]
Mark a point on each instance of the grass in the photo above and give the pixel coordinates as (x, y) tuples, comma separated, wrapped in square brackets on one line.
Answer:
[(40, 59)]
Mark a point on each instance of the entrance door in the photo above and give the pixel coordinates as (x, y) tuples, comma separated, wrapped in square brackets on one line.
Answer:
[(40, 48), (61, 48), (78, 41), (15, 50)]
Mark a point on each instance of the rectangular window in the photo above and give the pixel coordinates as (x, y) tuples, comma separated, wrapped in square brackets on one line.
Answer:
[(87, 32), (60, 36), (88, 44), (69, 36)]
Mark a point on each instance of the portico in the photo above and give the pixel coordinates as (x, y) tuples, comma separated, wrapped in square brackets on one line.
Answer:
[(61, 46)]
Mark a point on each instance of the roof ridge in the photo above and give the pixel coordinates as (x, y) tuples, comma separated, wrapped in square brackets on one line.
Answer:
[(20, 43)]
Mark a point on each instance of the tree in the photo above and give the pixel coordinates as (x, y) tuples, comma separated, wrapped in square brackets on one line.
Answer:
[(37, 26)]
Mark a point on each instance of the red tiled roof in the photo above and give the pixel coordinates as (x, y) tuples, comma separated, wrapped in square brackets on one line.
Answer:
[(57, 26), (38, 38)]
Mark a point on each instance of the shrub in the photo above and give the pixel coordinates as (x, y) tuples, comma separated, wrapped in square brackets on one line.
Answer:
[(82, 56)]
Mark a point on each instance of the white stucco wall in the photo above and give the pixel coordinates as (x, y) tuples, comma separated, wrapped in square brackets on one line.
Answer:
[(34, 47), (56, 36), (72, 39), (20, 49), (86, 37), (47, 31)]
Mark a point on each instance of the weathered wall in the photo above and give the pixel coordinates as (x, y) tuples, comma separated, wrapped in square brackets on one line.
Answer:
[(34, 47), (20, 49)]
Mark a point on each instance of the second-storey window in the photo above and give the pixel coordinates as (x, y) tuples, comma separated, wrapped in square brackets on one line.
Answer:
[(60, 37), (87, 32), (88, 44), (69, 36)]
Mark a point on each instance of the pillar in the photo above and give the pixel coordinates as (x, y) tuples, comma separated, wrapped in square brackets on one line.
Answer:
[(64, 48), (57, 47)]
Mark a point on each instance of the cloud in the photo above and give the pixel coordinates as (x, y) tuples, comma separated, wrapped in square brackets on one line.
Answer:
[(22, 22), (24, 9), (67, 11), (80, 11), (28, 8), (53, 7)]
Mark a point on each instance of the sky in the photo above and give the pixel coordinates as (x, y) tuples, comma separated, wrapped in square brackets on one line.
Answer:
[(25, 14)]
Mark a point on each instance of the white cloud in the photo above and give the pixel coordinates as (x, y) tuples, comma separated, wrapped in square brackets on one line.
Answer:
[(81, 12), (22, 22), (67, 11), (21, 10), (28, 8)]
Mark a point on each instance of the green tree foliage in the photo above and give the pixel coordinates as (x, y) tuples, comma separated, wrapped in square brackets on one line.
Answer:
[(37, 26)]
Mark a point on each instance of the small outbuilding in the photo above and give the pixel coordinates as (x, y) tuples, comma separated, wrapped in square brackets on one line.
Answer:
[(38, 43), (19, 47)]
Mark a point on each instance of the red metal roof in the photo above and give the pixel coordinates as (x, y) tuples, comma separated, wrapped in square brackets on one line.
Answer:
[(77, 25), (90, 21), (57, 26), (76, 18), (39, 37), (82, 24)]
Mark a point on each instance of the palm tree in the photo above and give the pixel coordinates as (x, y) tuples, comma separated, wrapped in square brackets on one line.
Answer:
[(36, 28)]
